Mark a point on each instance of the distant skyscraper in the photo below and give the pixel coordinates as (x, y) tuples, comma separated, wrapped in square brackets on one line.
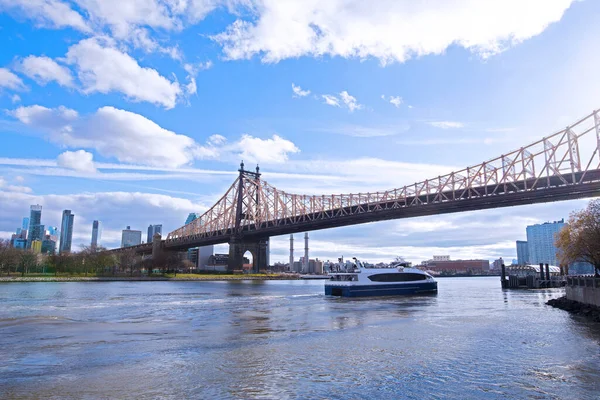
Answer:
[(35, 219), (191, 217), (96, 233), (130, 237), (25, 227), (540, 242), (522, 252), (152, 229), (66, 232)]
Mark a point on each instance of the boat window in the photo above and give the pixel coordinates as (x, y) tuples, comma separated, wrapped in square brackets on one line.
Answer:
[(404, 277)]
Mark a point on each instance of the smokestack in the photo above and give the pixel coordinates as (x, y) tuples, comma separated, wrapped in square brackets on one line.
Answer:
[(291, 252), (306, 252)]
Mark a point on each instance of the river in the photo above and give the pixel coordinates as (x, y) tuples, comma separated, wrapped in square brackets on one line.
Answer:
[(286, 340)]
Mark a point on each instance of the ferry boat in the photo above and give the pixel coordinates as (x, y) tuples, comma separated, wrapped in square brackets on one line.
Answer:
[(398, 279)]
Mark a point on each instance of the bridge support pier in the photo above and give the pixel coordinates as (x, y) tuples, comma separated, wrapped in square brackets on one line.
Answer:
[(258, 249), (158, 252)]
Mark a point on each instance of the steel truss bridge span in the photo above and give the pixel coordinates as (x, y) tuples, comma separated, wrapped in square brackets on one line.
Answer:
[(562, 166)]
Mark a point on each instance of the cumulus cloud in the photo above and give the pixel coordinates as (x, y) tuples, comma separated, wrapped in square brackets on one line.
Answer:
[(394, 31), (273, 150), (4, 186), (350, 101), (11, 81), (103, 68), (331, 100), (44, 70), (396, 101), (47, 13), (446, 124), (298, 92), (133, 138), (79, 160), (127, 136), (15, 98)]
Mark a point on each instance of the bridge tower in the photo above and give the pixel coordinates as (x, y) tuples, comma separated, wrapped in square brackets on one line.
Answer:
[(238, 245)]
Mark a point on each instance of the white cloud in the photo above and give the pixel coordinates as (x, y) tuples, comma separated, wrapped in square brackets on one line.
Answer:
[(350, 101), (47, 13), (132, 138), (392, 31), (15, 98), (191, 87), (79, 160), (446, 124), (396, 101), (298, 92), (193, 69), (331, 100), (9, 80), (44, 70), (127, 136), (217, 140), (4, 186), (103, 68), (273, 150)]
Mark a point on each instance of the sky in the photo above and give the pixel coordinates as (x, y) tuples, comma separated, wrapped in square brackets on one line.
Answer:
[(138, 112)]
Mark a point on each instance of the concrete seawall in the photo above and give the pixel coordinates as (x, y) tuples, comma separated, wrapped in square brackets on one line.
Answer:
[(584, 290)]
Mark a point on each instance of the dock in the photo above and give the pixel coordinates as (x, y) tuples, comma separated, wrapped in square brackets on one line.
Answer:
[(532, 277)]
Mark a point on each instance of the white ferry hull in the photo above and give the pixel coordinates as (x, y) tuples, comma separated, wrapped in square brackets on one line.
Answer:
[(395, 289)]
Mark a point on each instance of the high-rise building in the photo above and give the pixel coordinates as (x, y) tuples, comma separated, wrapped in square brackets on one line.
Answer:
[(66, 232), (96, 233), (35, 219), (152, 230), (540, 242), (49, 245), (130, 237), (24, 228), (192, 217), (52, 231), (36, 246), (522, 252)]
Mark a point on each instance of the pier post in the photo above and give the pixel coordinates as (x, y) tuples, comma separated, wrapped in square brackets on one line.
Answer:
[(541, 271), (503, 277), (547, 272)]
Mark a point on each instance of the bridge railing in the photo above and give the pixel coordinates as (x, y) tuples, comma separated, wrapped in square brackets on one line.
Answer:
[(556, 160)]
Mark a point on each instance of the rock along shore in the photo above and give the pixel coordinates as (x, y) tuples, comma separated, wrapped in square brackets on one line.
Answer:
[(8, 279), (577, 308)]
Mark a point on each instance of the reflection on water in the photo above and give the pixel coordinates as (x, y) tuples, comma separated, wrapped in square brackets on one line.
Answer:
[(286, 340)]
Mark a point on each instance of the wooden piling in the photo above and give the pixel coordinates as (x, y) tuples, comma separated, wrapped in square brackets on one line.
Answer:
[(503, 277)]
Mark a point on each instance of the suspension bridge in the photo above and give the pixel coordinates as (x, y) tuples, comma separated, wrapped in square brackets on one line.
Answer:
[(562, 166)]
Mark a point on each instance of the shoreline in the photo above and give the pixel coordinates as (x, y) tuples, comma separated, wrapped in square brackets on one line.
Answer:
[(19, 279), (588, 311)]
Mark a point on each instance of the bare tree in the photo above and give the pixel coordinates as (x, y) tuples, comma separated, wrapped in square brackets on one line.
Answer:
[(579, 240), (9, 257)]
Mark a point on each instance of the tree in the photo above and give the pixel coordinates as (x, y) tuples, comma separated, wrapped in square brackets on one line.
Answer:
[(579, 240), (9, 257)]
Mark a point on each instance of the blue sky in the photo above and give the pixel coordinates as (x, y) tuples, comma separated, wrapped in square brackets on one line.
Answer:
[(139, 112)]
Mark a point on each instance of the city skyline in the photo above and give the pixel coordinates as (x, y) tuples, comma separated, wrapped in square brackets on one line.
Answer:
[(401, 111)]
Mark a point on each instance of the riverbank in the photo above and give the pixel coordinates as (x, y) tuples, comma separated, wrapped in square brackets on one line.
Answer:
[(180, 278), (577, 308)]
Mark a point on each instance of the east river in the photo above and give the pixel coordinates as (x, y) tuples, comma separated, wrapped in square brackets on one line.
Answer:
[(285, 339)]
